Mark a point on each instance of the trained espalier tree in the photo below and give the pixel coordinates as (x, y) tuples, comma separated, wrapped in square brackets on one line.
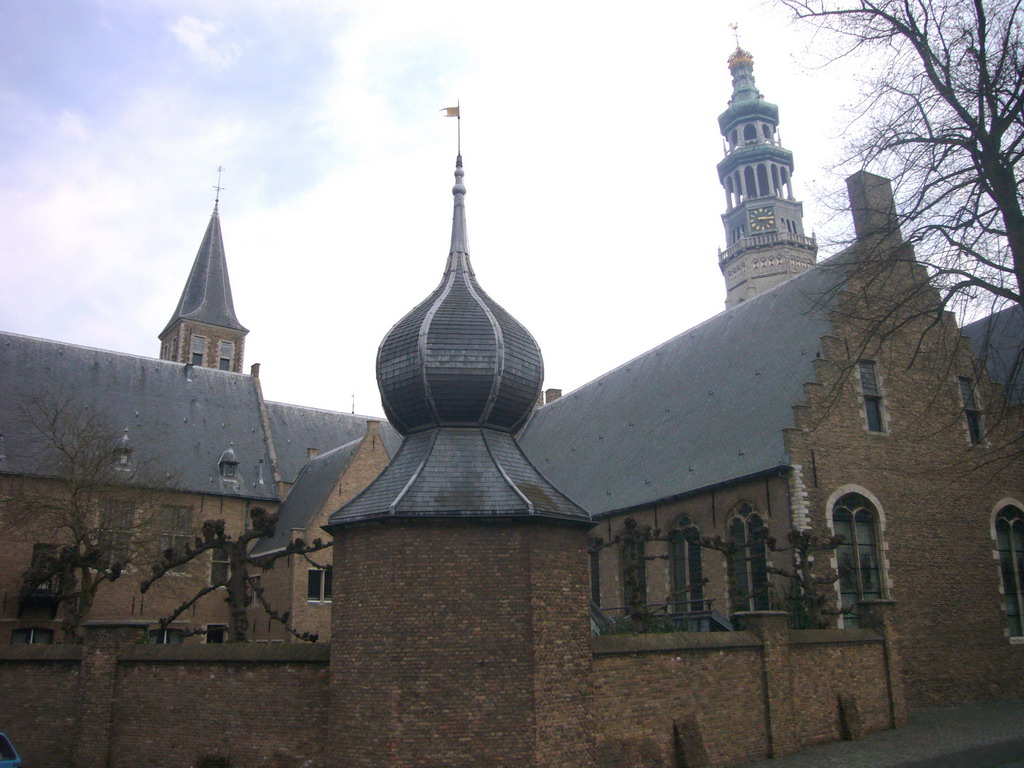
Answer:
[(239, 588)]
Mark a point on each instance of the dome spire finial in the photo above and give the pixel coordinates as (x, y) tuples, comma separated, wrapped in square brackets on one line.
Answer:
[(460, 242)]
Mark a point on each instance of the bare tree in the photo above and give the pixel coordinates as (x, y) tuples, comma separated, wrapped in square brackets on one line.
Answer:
[(241, 589), (85, 506), (943, 117)]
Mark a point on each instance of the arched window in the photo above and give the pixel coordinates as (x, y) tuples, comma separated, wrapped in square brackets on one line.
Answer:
[(687, 571), (766, 131), (749, 132), (748, 182), (634, 566), (762, 181), (1010, 540), (748, 531), (860, 572)]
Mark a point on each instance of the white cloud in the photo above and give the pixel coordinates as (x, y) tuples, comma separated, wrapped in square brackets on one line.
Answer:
[(198, 36), (72, 125)]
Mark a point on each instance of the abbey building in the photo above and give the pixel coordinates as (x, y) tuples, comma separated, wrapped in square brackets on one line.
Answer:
[(772, 519)]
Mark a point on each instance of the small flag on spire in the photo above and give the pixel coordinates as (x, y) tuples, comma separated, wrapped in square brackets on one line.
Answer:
[(451, 111)]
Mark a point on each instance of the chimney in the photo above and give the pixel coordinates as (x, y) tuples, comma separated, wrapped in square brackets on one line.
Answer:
[(254, 370), (550, 395), (873, 208)]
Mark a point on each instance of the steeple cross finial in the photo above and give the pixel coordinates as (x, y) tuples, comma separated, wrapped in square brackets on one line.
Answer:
[(735, 26), (217, 186)]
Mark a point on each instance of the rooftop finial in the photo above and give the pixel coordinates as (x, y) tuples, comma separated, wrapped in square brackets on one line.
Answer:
[(454, 112), (217, 186), (460, 243), (735, 26)]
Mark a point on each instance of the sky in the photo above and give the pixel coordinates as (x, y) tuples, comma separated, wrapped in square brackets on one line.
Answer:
[(589, 139)]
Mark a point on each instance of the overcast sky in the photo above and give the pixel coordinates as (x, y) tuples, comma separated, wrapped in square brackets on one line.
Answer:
[(589, 138)]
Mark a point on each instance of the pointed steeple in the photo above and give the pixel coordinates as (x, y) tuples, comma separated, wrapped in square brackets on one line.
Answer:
[(204, 329), (207, 294)]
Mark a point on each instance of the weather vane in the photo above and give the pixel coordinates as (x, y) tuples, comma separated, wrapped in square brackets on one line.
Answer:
[(217, 186), (454, 112), (734, 26)]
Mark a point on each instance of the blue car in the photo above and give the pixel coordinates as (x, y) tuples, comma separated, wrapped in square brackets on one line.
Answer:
[(8, 755)]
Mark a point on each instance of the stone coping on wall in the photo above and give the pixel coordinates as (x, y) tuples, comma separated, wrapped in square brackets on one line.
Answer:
[(223, 653), (57, 652), (683, 641), (672, 641)]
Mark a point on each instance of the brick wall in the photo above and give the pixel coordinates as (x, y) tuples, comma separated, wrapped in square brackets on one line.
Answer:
[(522, 687), (936, 493), (714, 699), (460, 644)]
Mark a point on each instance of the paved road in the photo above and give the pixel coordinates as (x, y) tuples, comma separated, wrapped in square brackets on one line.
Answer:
[(989, 735)]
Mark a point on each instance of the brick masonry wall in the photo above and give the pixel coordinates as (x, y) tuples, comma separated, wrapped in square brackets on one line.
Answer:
[(936, 495), (650, 687), (441, 641), (264, 707), (39, 701)]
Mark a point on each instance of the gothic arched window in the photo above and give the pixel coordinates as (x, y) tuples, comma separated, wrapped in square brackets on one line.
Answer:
[(1010, 540), (687, 570), (747, 530), (634, 566), (860, 571)]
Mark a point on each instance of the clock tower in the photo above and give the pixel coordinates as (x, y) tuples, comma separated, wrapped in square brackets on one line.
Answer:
[(764, 230)]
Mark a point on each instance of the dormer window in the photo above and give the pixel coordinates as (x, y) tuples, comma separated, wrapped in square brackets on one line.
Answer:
[(228, 464), (123, 452)]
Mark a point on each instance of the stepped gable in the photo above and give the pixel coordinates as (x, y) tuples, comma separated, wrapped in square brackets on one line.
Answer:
[(458, 375), (705, 407)]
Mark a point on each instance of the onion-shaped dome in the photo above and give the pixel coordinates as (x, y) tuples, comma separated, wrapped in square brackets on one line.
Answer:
[(458, 358)]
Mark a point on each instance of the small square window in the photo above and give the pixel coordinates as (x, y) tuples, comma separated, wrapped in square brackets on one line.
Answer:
[(318, 585)]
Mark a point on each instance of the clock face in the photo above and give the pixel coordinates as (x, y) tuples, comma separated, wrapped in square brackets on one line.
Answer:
[(761, 219)]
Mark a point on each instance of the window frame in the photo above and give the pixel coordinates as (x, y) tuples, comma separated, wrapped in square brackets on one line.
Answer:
[(115, 533), (324, 587), (42, 632), (1011, 567), (873, 396), (971, 407), (686, 562), (751, 565), (864, 517)]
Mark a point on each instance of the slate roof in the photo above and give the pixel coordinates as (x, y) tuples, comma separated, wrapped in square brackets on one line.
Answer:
[(296, 428), (207, 294), (457, 374), (458, 358), (705, 407), (998, 340), (180, 418), (459, 472), (311, 490)]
